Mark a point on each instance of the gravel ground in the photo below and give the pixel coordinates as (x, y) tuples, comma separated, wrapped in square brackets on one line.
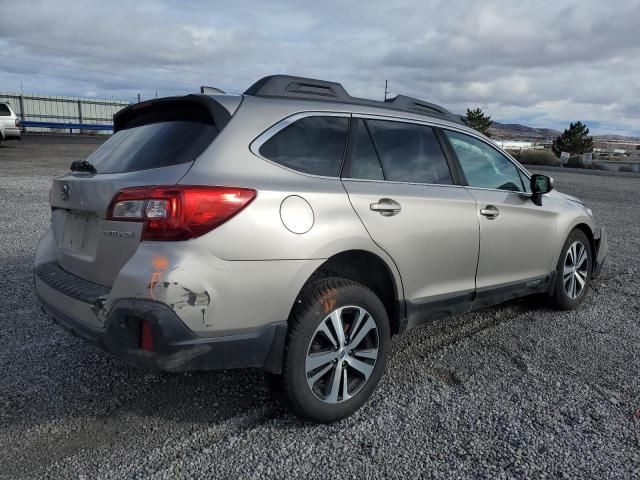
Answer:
[(516, 391)]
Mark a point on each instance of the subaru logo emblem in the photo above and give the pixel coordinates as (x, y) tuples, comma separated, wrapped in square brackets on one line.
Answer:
[(65, 193)]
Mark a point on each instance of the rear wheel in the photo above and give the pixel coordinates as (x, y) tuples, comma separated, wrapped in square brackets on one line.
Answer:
[(573, 272), (336, 350)]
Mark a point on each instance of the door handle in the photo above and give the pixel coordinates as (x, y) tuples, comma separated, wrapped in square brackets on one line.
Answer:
[(386, 207), (490, 212)]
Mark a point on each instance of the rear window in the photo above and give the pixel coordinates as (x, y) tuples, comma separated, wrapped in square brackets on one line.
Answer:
[(154, 145), (4, 110), (312, 145)]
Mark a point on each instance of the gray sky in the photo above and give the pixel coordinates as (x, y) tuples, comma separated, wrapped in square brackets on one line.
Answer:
[(542, 63)]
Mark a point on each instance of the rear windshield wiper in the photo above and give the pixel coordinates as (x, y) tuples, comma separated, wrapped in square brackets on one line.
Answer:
[(82, 166)]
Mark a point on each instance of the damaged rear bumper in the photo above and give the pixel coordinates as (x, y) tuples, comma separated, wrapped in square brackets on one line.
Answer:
[(175, 346)]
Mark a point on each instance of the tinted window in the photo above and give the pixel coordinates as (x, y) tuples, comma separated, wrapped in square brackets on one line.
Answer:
[(525, 182), (364, 163), (312, 145), (409, 153), (153, 146), (483, 165), (4, 110)]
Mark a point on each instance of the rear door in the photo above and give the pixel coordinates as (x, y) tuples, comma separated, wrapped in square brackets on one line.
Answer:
[(400, 185), (517, 237), (155, 144)]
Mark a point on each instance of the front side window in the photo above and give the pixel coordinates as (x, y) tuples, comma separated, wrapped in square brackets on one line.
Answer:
[(410, 153), (484, 166), (313, 145)]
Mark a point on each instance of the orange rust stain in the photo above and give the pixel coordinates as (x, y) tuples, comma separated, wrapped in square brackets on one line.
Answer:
[(328, 300), (159, 264)]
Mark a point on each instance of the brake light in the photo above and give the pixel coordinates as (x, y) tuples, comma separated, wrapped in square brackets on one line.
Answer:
[(17, 123), (179, 212)]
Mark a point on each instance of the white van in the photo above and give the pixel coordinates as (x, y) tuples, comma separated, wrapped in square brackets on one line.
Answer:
[(9, 123)]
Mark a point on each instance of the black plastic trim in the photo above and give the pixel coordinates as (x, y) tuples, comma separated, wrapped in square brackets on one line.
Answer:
[(175, 347), (70, 285), (123, 118), (420, 312)]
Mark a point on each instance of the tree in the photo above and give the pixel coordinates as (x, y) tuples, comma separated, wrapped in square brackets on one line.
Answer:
[(477, 120), (575, 140)]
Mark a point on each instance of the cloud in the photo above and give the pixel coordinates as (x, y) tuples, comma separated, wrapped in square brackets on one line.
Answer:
[(548, 62)]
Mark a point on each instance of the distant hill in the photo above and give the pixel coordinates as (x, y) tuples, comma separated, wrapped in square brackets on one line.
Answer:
[(515, 131)]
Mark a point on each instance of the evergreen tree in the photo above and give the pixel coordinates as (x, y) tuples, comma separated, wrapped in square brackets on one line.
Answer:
[(575, 140), (477, 120)]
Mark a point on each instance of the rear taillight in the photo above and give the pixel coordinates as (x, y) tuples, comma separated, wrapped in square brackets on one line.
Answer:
[(178, 212), (17, 123), (146, 336)]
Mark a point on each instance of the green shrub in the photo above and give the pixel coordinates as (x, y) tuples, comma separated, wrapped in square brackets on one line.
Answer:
[(575, 161), (600, 166), (539, 157)]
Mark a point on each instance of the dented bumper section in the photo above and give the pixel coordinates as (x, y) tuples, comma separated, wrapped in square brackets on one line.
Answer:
[(118, 329)]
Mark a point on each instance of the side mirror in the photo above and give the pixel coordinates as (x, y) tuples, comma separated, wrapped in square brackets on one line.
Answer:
[(540, 184)]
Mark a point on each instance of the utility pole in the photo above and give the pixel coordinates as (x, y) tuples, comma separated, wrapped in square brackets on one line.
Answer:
[(138, 97), (386, 91)]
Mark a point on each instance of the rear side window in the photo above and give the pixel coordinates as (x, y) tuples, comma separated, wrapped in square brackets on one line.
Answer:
[(4, 110), (363, 162), (410, 153), (313, 145)]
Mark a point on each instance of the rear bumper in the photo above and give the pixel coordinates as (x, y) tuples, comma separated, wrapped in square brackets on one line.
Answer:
[(175, 346), (12, 134), (602, 250)]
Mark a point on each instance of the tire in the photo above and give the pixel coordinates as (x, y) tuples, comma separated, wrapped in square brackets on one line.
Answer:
[(569, 292), (316, 358)]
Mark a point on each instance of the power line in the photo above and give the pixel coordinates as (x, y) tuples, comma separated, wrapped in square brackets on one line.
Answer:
[(65, 77), (120, 60), (76, 67)]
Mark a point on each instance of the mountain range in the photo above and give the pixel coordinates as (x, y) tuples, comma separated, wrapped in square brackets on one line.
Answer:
[(516, 131)]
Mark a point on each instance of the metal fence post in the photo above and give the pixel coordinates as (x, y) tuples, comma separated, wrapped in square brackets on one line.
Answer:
[(80, 114), (21, 101)]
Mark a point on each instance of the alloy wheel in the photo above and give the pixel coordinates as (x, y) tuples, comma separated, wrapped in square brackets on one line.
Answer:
[(342, 354), (575, 270)]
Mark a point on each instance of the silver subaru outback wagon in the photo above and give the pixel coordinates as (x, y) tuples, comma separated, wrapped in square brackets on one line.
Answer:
[(296, 229)]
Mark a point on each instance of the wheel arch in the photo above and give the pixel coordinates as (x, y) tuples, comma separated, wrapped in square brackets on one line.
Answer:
[(374, 272), (584, 224)]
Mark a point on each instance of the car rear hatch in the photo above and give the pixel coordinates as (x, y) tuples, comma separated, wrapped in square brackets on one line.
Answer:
[(154, 143)]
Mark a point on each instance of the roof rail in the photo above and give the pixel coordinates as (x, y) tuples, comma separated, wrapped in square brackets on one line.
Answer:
[(287, 86)]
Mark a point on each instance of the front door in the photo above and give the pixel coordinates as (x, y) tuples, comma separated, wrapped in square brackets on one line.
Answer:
[(517, 237)]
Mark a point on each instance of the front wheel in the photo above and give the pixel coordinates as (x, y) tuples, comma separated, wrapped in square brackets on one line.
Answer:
[(336, 350), (573, 272)]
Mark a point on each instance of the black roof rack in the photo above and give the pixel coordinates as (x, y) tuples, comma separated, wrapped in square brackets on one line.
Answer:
[(287, 86)]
